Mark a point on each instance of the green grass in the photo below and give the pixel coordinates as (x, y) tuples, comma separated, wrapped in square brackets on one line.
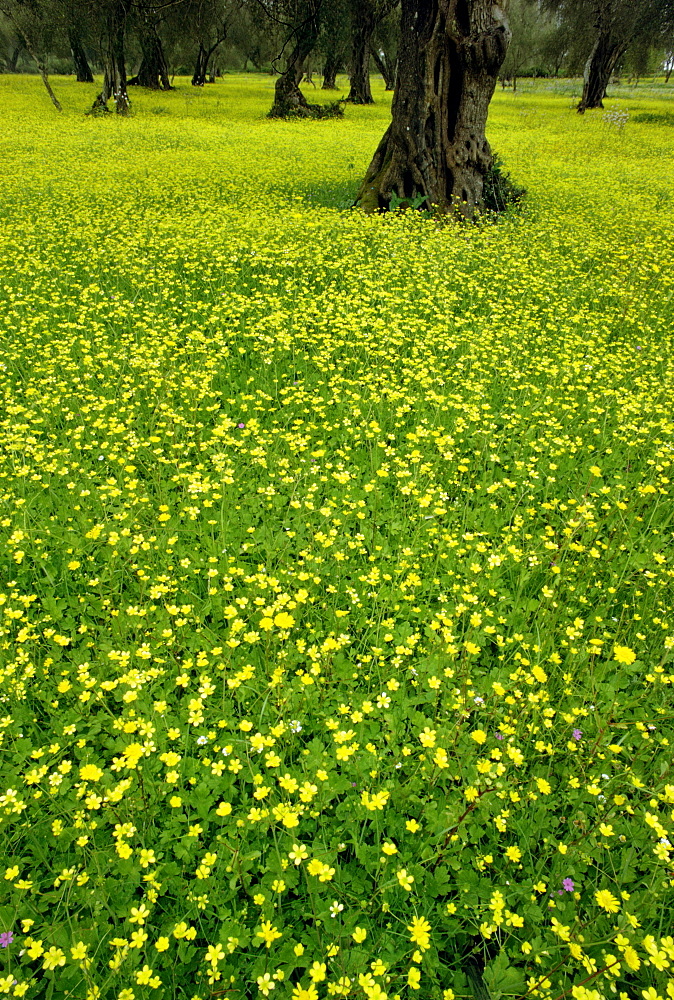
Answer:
[(336, 613)]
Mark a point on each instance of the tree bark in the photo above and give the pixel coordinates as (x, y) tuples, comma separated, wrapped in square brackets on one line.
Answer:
[(600, 64), (14, 58), (362, 27), (201, 65), (153, 72), (114, 61), (83, 72), (332, 67), (387, 71), (288, 98), (44, 76), (435, 152), (289, 101)]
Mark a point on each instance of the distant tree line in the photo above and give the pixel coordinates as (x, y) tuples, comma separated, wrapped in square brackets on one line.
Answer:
[(442, 58), (148, 42)]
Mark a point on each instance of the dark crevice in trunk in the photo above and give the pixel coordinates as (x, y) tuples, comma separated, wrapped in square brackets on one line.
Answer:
[(454, 98)]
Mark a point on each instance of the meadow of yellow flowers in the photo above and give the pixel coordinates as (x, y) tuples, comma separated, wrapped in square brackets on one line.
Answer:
[(336, 623)]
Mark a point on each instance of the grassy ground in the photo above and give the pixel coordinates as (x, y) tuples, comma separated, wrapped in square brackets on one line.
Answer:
[(336, 597)]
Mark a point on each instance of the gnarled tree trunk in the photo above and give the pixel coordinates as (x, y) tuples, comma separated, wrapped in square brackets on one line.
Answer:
[(288, 98), (600, 64), (362, 26), (435, 152), (332, 67), (330, 70), (83, 72), (153, 72), (114, 61), (203, 58), (289, 101)]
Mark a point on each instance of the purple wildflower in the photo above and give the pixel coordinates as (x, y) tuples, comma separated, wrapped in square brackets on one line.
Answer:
[(568, 884), (499, 736), (241, 426), (6, 939), (577, 734)]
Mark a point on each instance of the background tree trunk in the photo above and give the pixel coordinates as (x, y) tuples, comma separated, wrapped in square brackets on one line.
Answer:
[(601, 62), (435, 152), (14, 58), (332, 67), (288, 98), (387, 71), (362, 26), (37, 58), (114, 62), (201, 67), (82, 69), (153, 72)]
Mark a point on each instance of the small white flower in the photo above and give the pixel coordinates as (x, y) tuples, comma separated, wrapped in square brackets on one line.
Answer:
[(202, 740), (336, 908), (295, 726)]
